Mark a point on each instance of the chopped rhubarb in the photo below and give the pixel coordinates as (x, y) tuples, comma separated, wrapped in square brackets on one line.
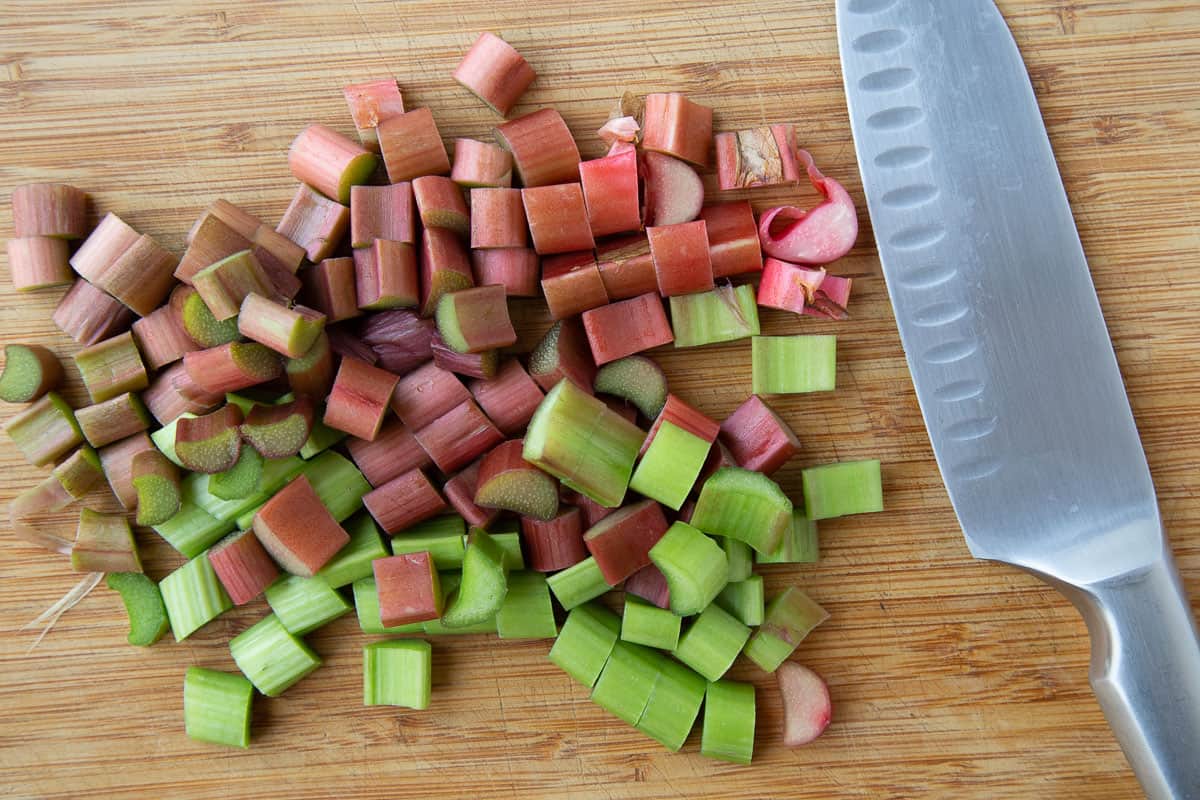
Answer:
[(198, 321), (400, 339), (744, 505), (788, 619), (543, 150), (445, 267), (673, 124), (757, 438), (161, 337), (112, 419), (408, 589), (720, 456), (733, 245), (495, 72), (404, 501), (344, 342), (458, 437), (156, 481), (279, 431), (30, 371), (232, 367), (329, 162), (44, 431), (312, 373), (117, 461), (469, 365), (106, 243), (723, 314), (509, 482), (831, 298), (621, 542), (793, 364), (141, 277), (383, 212), (649, 584), (111, 367), (329, 287), (224, 285), (475, 320), (314, 222), (514, 268), (572, 284), (807, 708), (441, 204), (209, 443), (104, 543), (610, 187), (626, 327), (763, 156), (425, 394), (592, 511), (789, 287), (393, 452), (39, 262), (412, 146), (670, 465), (693, 564), (637, 379), (288, 330), (683, 415), (563, 353), (460, 492), (627, 267), (497, 218), (385, 275), (510, 398), (477, 164), (370, 103), (297, 530), (681, 261), (53, 210), (211, 240), (556, 543), (558, 218), (243, 566), (173, 392), (674, 192), (88, 314), (817, 236), (359, 398)]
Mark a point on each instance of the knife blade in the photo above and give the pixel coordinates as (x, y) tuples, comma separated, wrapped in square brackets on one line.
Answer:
[(1010, 357)]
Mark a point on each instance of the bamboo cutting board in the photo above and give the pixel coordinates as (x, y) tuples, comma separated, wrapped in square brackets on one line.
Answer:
[(950, 677)]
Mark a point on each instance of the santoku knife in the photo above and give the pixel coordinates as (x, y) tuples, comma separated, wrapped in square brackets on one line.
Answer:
[(1011, 360)]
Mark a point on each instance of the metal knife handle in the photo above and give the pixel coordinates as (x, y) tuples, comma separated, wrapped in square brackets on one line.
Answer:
[(1146, 673)]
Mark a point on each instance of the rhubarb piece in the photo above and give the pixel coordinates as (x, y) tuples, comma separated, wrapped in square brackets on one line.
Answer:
[(321, 438), (712, 642), (799, 545), (743, 599), (107, 243), (111, 367), (397, 673), (353, 562), (626, 327), (337, 482), (53, 210), (680, 254), (314, 222), (788, 287), (646, 624), (649, 584), (817, 236), (445, 267), (297, 530), (30, 371), (577, 438), (571, 284), (578, 583), (39, 262), (693, 564), (627, 681), (312, 373), (45, 431), (193, 529), (393, 452), (626, 267), (674, 192), (497, 219), (383, 212), (156, 481), (458, 437), (408, 589), (475, 320), (193, 596), (359, 398), (279, 431), (510, 398), (272, 658), (460, 493), (441, 204), (141, 277), (161, 337), (200, 324), (729, 716), (620, 408), (329, 162), (209, 443), (484, 583), (621, 542), (563, 353), (543, 150), (441, 537), (173, 394), (789, 618), (674, 125), (68, 482), (724, 314), (304, 604), (585, 642), (289, 331), (636, 379), (670, 466), (211, 240), (426, 394), (807, 708), (224, 285), (610, 189), (556, 543), (104, 543), (412, 146), (88, 314), (685, 416), (527, 612), (495, 72), (764, 156), (329, 287), (479, 165), (733, 245), (143, 605), (370, 103), (217, 707), (673, 706), (471, 365), (243, 566), (400, 339), (848, 487), (507, 536), (404, 501), (508, 482), (757, 438), (514, 268), (739, 556), (831, 299), (117, 461), (558, 219), (220, 495), (743, 505), (793, 364)]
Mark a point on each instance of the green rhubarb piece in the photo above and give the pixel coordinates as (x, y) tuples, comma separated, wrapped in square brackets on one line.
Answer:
[(164, 438), (793, 364), (645, 623), (729, 716), (721, 315), (745, 505), (674, 704), (158, 495), (712, 643), (243, 402), (275, 473), (321, 438), (577, 438), (192, 530), (203, 327), (442, 537), (193, 596), (637, 379), (210, 443), (797, 546), (693, 564), (45, 431), (304, 604), (484, 583), (848, 487), (789, 618), (740, 557), (217, 707), (272, 658), (79, 472), (528, 492), (578, 583), (509, 543), (225, 284), (242, 480), (143, 604), (104, 543), (112, 367), (358, 171), (353, 561), (30, 370), (366, 606), (277, 431), (450, 580), (585, 642), (338, 483), (744, 600), (527, 612), (670, 466), (627, 681), (398, 673)]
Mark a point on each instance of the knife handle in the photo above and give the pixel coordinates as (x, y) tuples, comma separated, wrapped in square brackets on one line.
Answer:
[(1145, 671)]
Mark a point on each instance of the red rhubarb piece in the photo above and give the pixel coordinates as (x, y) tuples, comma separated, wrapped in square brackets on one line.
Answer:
[(509, 482), (592, 511), (383, 212), (621, 542), (543, 150), (681, 259), (408, 589), (626, 327), (478, 164), (173, 393), (385, 275), (572, 284), (649, 584), (370, 103), (469, 365), (314, 222), (514, 268), (610, 189), (458, 437), (359, 398), (243, 566), (393, 452), (497, 219), (475, 320), (510, 398), (441, 204), (627, 267), (733, 245), (329, 162), (297, 530), (682, 415), (817, 236), (554, 544), (563, 352), (757, 438), (329, 288), (494, 72), (460, 492), (50, 210), (411, 146), (674, 125), (400, 339), (425, 394), (39, 262), (558, 219), (90, 315), (404, 501), (445, 267)]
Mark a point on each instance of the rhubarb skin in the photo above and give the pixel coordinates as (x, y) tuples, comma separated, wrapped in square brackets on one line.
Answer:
[(359, 398), (39, 262), (55, 210), (141, 277), (425, 394), (556, 543), (558, 219), (383, 212), (224, 285), (385, 276), (243, 566), (297, 530), (814, 237), (393, 452), (572, 284), (592, 511), (764, 156), (733, 245), (411, 146), (510, 398), (475, 320), (89, 315), (458, 437), (400, 339), (610, 189), (469, 365), (621, 542), (543, 150), (329, 287), (649, 584), (329, 162), (509, 482), (445, 267), (626, 327), (478, 164), (514, 268), (288, 330), (370, 103), (674, 125), (408, 589), (460, 492), (497, 219), (681, 261), (564, 352), (495, 72), (404, 501), (211, 239), (314, 222), (232, 367), (441, 204), (117, 462), (674, 192), (627, 267)]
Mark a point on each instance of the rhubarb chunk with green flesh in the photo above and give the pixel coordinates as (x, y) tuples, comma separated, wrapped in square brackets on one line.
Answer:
[(527, 612), (329, 162), (579, 583), (408, 588), (104, 543), (366, 605), (30, 371), (627, 681), (289, 331), (797, 546), (806, 705), (789, 618), (320, 438), (397, 673), (556, 543), (45, 431), (694, 565), (441, 537), (636, 379), (217, 707), (744, 600), (112, 367), (621, 541), (224, 285), (202, 326), (743, 505), (484, 583), (712, 643), (193, 596), (304, 604), (670, 466), (729, 717), (673, 706), (793, 364), (143, 604), (722, 315), (197, 488), (312, 373), (848, 487), (580, 440), (563, 353), (243, 566), (506, 481), (278, 431), (475, 320), (242, 480), (193, 529), (209, 443), (740, 557), (643, 623), (272, 658), (509, 542), (297, 530), (585, 642), (156, 481), (353, 561)]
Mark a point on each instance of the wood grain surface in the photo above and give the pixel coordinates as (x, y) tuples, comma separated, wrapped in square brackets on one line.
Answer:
[(950, 677)]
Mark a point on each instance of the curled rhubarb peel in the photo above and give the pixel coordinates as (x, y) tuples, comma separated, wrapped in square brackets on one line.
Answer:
[(818, 236)]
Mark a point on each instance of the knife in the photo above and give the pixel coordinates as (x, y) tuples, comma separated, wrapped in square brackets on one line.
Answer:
[(1010, 357)]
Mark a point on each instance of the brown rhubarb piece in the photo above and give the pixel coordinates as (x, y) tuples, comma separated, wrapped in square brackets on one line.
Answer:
[(297, 530)]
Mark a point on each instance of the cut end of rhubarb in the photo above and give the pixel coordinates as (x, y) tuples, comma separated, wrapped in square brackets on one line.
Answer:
[(30, 371), (279, 431), (807, 708), (674, 192), (202, 326), (637, 379), (210, 443), (508, 482)]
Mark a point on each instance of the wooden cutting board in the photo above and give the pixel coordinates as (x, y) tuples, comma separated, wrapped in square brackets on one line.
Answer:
[(950, 677)]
